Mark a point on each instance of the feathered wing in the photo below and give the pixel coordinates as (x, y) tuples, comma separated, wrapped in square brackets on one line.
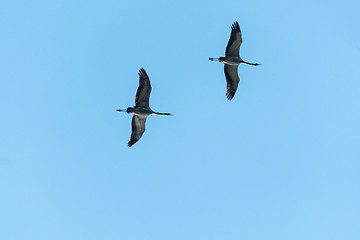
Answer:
[(232, 49), (232, 80), (144, 90), (138, 128)]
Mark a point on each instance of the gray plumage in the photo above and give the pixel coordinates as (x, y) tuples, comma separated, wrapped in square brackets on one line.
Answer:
[(137, 128), (232, 60), (141, 110)]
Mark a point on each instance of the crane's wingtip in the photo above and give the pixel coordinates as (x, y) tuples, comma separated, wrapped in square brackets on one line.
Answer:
[(230, 95), (235, 26), (142, 73)]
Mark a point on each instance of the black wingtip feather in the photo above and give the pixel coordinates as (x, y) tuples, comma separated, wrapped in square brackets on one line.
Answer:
[(235, 27), (130, 143), (142, 73), (230, 94)]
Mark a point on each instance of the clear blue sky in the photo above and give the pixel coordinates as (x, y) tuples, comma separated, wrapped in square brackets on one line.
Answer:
[(280, 161)]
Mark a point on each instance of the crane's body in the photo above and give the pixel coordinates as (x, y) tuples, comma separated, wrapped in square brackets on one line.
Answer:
[(235, 61), (141, 110), (232, 60)]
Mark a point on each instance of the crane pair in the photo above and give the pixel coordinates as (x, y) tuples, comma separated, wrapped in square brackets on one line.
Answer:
[(231, 61)]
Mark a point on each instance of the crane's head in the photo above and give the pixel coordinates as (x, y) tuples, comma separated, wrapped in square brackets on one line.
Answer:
[(128, 110)]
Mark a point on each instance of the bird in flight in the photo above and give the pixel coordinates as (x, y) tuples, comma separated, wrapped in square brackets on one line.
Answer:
[(232, 60), (141, 110)]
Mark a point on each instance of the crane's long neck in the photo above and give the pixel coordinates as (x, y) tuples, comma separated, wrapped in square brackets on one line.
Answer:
[(219, 59)]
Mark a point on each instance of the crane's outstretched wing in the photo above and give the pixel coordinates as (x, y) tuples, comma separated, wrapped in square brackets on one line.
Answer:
[(138, 128), (144, 90), (232, 49), (232, 80)]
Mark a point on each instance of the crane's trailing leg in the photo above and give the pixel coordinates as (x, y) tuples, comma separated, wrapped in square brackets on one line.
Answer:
[(253, 64), (167, 114)]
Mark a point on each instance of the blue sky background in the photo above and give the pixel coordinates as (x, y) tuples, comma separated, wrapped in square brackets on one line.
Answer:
[(280, 161)]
